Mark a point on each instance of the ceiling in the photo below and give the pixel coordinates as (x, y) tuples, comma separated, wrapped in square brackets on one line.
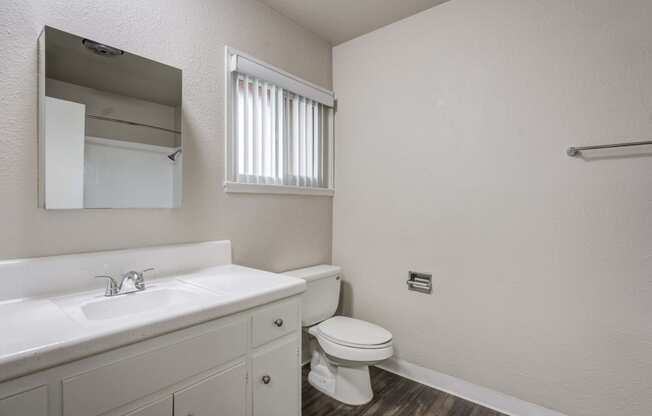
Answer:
[(66, 59), (340, 20)]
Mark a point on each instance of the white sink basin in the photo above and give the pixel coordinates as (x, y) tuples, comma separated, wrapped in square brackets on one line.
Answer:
[(134, 303), (161, 299)]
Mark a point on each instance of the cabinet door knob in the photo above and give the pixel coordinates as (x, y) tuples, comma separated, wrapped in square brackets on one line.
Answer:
[(278, 322), (266, 379)]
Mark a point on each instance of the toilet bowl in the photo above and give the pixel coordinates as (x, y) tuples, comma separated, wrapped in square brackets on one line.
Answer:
[(342, 351), (341, 348)]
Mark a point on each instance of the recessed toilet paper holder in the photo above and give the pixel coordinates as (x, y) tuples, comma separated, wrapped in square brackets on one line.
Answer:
[(419, 282)]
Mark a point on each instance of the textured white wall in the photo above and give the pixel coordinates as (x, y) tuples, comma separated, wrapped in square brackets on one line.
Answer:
[(451, 132), (272, 232)]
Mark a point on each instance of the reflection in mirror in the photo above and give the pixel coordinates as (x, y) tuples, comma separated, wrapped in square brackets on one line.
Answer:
[(109, 127)]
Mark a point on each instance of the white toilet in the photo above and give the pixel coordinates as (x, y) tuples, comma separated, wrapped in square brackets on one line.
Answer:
[(343, 348)]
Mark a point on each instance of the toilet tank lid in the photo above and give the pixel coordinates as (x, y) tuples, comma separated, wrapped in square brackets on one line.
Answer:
[(315, 272)]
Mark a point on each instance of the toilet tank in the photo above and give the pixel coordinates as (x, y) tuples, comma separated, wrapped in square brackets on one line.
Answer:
[(320, 300)]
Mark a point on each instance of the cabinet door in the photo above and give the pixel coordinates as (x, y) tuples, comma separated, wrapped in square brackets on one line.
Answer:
[(99, 390), (30, 403), (221, 394), (276, 379), (162, 407)]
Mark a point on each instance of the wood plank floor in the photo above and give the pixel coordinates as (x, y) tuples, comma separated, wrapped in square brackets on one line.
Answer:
[(393, 396)]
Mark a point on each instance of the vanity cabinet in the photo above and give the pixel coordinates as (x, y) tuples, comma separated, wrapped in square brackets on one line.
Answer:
[(224, 392), (32, 402), (245, 364), (163, 407)]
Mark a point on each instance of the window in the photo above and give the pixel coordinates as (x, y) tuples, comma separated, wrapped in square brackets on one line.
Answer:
[(279, 131)]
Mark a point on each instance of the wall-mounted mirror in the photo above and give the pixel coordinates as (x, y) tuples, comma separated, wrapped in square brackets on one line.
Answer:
[(109, 127)]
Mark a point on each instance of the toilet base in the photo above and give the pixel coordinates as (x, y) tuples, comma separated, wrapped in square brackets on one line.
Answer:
[(348, 384)]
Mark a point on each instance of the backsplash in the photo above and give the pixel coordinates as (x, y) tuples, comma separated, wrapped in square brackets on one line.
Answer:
[(35, 277)]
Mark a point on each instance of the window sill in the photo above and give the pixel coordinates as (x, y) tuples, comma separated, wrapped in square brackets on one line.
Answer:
[(252, 188)]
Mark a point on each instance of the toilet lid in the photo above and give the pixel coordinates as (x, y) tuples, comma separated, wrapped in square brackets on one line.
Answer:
[(353, 332)]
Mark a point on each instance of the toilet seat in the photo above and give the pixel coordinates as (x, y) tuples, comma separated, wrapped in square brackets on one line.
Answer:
[(353, 340), (355, 333)]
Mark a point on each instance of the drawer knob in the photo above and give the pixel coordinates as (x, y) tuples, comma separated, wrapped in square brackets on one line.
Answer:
[(278, 322), (266, 379)]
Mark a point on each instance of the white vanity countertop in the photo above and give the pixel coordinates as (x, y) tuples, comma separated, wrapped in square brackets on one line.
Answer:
[(40, 333)]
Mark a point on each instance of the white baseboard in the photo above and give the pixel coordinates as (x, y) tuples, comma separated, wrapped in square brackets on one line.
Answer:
[(477, 394)]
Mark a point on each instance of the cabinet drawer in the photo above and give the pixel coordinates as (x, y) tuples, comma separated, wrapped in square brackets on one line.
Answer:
[(275, 320), (114, 385), (221, 394), (29, 403), (161, 407), (275, 380)]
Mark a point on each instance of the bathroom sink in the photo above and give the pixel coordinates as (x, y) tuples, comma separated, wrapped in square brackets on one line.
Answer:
[(134, 303), (159, 300)]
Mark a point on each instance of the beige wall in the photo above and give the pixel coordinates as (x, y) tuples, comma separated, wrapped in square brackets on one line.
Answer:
[(451, 132), (271, 232)]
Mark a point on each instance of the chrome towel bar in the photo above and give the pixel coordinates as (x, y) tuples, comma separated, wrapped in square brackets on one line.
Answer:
[(576, 151), (131, 123)]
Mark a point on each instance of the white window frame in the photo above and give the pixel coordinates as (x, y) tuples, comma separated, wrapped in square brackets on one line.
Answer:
[(236, 60)]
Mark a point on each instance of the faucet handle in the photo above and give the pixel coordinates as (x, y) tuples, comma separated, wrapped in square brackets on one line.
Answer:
[(140, 279), (112, 287)]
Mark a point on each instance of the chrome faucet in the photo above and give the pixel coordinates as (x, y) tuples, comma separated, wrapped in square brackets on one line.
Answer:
[(132, 281), (112, 287)]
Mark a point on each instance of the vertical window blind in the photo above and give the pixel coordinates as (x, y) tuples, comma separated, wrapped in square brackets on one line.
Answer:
[(279, 137)]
